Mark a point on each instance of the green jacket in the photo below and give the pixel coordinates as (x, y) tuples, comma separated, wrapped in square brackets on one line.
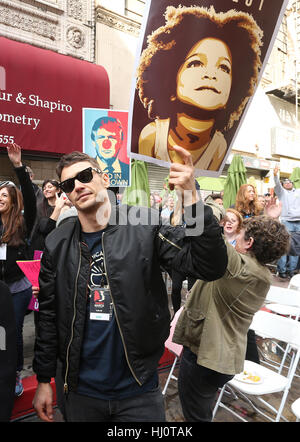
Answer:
[(217, 315)]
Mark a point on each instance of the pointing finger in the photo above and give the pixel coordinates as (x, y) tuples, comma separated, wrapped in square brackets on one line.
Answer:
[(184, 154)]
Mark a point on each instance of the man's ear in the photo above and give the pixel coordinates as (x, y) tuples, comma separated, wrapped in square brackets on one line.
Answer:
[(105, 179), (249, 242)]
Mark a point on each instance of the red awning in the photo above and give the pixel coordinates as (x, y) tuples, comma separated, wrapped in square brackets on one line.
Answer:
[(42, 94)]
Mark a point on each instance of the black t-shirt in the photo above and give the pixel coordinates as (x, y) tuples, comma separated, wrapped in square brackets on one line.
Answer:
[(104, 372)]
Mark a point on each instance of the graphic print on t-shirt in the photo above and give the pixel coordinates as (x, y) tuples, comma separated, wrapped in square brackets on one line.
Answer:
[(97, 276), (100, 301)]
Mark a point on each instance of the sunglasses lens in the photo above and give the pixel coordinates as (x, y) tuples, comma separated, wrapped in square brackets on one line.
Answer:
[(68, 185), (85, 176)]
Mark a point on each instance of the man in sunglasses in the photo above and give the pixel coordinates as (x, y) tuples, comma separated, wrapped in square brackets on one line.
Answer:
[(103, 305)]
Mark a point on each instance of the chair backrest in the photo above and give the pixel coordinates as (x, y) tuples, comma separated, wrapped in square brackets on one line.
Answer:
[(169, 344), (285, 296), (270, 325), (295, 282)]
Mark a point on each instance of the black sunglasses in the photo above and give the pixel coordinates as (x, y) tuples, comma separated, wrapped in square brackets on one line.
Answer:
[(85, 176)]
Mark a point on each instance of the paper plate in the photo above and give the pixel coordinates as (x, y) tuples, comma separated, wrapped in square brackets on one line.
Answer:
[(248, 377)]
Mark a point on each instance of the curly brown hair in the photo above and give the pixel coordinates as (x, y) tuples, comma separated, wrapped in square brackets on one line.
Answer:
[(271, 239), (169, 44)]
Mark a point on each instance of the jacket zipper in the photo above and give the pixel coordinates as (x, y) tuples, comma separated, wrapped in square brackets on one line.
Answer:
[(163, 238), (121, 334), (73, 320)]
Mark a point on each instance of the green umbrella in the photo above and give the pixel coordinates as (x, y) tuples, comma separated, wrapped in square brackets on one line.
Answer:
[(295, 177), (236, 176), (138, 193)]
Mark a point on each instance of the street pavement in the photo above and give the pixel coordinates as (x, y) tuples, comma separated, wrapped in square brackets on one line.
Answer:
[(172, 403)]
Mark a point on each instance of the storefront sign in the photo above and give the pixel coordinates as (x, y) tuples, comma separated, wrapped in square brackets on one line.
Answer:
[(42, 94)]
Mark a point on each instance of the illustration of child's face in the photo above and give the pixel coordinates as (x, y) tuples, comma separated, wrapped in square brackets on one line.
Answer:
[(204, 79)]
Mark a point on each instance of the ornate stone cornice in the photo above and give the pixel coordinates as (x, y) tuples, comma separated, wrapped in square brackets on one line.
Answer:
[(21, 17), (17, 8), (117, 21)]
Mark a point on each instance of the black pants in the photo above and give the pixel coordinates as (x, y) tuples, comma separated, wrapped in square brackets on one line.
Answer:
[(252, 352), (198, 387), (147, 407)]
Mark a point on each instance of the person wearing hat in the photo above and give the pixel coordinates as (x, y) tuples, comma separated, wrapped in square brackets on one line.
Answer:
[(290, 217)]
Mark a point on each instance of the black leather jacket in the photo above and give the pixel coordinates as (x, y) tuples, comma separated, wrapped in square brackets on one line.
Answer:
[(133, 256)]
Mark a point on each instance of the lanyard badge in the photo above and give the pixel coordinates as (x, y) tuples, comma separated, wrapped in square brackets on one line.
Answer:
[(100, 304)]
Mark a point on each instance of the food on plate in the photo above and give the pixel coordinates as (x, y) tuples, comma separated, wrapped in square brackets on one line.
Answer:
[(251, 377)]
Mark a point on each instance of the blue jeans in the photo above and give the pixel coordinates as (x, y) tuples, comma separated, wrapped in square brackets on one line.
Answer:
[(282, 266), (147, 407), (20, 302)]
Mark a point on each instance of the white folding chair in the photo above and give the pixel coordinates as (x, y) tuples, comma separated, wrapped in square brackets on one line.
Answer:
[(296, 409), (295, 282), (267, 324), (283, 301), (174, 348)]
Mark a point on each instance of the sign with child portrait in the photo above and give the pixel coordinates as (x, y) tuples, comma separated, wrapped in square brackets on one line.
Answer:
[(197, 67), (105, 138)]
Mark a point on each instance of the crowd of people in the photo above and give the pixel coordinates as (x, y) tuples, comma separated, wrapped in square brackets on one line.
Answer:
[(104, 314)]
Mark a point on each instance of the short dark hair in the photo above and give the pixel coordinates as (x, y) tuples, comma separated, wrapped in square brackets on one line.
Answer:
[(29, 170), (53, 182), (271, 239), (73, 158), (214, 196)]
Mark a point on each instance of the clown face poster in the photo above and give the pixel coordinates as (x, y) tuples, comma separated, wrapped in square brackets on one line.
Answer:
[(197, 67), (105, 138)]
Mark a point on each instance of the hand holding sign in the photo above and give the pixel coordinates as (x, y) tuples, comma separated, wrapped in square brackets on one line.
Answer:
[(182, 176)]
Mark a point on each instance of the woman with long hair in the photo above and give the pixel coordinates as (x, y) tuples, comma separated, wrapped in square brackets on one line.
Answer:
[(17, 215), (246, 202), (205, 90), (48, 211), (50, 190)]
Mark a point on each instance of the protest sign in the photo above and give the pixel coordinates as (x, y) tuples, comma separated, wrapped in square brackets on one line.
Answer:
[(105, 138), (31, 270), (197, 67)]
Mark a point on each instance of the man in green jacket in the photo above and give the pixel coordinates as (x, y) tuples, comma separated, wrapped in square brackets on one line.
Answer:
[(216, 317)]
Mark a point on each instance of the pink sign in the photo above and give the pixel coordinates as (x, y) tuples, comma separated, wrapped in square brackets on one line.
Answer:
[(34, 304), (37, 254), (31, 270)]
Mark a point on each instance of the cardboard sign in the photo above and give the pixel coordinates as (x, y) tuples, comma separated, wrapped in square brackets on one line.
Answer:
[(105, 138), (197, 67)]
